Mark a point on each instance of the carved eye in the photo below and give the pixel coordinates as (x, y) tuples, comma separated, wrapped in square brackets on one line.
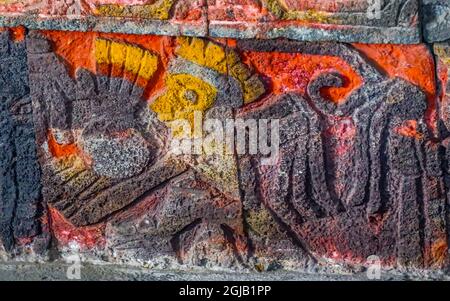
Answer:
[(191, 96)]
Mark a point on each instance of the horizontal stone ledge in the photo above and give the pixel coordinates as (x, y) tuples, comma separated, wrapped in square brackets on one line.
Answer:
[(106, 25), (238, 30), (394, 21)]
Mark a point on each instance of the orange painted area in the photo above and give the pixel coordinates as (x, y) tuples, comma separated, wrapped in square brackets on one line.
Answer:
[(17, 33), (77, 48), (284, 72), (438, 252), (86, 237), (413, 63), (287, 72), (58, 150), (409, 129), (190, 15), (291, 72)]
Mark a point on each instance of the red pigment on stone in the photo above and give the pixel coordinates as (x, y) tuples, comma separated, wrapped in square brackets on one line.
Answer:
[(86, 237), (409, 129), (71, 46), (344, 131), (403, 61), (290, 72), (58, 150), (24, 240)]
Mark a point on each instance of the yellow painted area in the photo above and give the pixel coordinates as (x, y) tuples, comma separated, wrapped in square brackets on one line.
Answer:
[(118, 53), (8, 1), (203, 52), (261, 222), (102, 51), (186, 94), (253, 89), (276, 8), (68, 167), (442, 51), (220, 169), (174, 104), (159, 10), (215, 57), (446, 61), (281, 11), (134, 59), (218, 164), (311, 16)]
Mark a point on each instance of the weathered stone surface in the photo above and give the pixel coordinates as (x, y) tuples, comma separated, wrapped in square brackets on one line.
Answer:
[(132, 167), (383, 21), (20, 194), (436, 18), (164, 17), (347, 175), (442, 52), (347, 21)]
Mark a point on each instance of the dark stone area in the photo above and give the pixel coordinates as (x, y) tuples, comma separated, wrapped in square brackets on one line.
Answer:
[(20, 187)]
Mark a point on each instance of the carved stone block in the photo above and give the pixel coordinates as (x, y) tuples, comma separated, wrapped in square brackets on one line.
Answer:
[(225, 153), (377, 21)]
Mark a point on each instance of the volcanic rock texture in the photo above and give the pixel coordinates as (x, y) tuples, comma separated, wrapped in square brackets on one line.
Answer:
[(220, 152)]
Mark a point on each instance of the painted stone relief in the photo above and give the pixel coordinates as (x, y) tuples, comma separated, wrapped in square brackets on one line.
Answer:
[(351, 142)]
